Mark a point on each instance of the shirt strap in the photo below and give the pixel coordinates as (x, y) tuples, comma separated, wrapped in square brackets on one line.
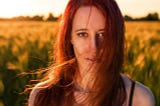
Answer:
[(131, 93)]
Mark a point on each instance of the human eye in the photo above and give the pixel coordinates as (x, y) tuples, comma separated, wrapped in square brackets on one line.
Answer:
[(100, 34), (82, 34)]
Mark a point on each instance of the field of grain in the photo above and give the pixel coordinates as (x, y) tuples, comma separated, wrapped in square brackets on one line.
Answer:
[(143, 54), (27, 46)]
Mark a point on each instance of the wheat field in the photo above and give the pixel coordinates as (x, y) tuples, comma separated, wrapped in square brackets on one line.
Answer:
[(26, 46)]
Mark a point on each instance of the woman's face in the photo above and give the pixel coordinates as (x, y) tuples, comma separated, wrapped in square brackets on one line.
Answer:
[(87, 34)]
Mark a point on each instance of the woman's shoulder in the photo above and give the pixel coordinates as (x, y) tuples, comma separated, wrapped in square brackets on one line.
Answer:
[(142, 95), (38, 87)]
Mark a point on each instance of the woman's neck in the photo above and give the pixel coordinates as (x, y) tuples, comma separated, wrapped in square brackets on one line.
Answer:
[(86, 78)]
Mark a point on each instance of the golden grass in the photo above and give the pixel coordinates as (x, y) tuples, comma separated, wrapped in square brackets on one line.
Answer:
[(20, 40)]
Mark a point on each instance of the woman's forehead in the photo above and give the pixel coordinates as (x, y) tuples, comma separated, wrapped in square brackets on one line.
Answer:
[(88, 16)]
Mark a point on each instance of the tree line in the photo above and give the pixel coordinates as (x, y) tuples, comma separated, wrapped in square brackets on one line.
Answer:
[(148, 17), (51, 17)]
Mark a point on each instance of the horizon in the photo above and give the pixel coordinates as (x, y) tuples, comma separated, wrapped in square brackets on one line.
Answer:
[(47, 15), (32, 8)]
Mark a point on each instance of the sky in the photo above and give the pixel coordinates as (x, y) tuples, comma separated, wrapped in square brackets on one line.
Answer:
[(12, 8)]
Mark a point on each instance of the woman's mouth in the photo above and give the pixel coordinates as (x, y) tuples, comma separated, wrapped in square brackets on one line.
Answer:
[(92, 59)]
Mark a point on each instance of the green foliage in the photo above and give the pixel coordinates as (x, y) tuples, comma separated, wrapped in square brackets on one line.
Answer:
[(27, 58), (152, 16), (149, 17), (51, 17), (143, 55), (20, 55)]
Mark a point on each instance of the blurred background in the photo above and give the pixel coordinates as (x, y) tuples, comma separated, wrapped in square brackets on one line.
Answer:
[(27, 36)]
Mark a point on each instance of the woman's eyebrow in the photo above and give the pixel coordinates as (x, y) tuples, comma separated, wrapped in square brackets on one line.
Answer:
[(82, 29), (100, 30)]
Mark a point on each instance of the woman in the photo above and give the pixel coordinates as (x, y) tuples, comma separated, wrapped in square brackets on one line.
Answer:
[(89, 58)]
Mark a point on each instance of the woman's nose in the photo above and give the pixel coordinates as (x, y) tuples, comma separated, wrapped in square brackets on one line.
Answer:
[(93, 44)]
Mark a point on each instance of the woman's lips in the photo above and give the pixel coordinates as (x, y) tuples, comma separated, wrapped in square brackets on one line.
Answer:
[(92, 59)]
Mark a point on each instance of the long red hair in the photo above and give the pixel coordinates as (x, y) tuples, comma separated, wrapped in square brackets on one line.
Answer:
[(108, 84)]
